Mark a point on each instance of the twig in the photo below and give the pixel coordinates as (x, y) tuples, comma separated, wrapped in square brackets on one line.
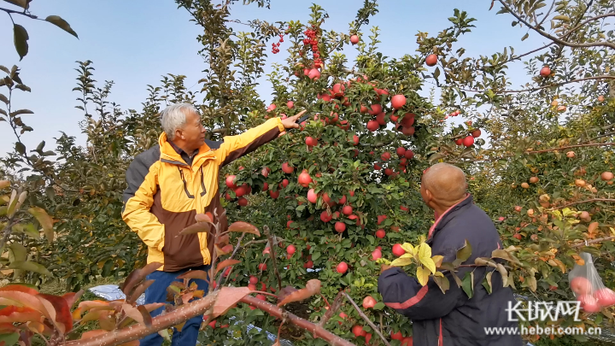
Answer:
[(586, 201), (555, 39), (23, 13), (233, 254), (332, 309), (544, 86), (272, 255), (599, 240), (377, 330)]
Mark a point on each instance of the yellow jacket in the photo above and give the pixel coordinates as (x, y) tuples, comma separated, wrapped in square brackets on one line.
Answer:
[(164, 194)]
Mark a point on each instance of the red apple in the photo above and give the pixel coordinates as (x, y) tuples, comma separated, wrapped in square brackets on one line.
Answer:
[(358, 331), (409, 154), (262, 266), (431, 60), (253, 279), (385, 156), (347, 210), (468, 141), (308, 264), (406, 341), (376, 254), (290, 104), (314, 74), (312, 196), (369, 302), (342, 267), (230, 182), (274, 194), (545, 71), (242, 201), (373, 125), (354, 39), (581, 285), (340, 227), (310, 141), (380, 233), (304, 178), (401, 151), (605, 297), (290, 249), (325, 216), (589, 303), (286, 168), (396, 336), (476, 133), (375, 109), (398, 250), (398, 101)]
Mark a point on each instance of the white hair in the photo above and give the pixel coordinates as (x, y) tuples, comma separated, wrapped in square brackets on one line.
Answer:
[(174, 117)]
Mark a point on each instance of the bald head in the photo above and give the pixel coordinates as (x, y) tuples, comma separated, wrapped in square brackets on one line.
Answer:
[(444, 183)]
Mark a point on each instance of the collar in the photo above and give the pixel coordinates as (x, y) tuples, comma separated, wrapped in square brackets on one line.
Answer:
[(169, 154), (443, 219), (180, 150)]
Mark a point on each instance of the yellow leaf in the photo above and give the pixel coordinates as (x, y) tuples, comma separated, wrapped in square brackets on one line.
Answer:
[(408, 248), (424, 251), (407, 255), (428, 263), (422, 275), (437, 259), (438, 274), (400, 262)]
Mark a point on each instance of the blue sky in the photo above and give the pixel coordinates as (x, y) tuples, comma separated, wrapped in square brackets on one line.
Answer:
[(135, 42)]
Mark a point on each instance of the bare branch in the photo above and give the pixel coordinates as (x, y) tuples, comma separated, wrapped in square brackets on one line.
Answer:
[(272, 255), (599, 240)]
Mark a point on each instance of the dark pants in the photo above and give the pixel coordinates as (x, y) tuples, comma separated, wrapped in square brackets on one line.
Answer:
[(157, 293)]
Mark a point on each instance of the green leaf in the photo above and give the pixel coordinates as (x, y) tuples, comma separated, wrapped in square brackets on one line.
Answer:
[(30, 266), (315, 256), (379, 306), (487, 282), (525, 36), (20, 148), (9, 339), (463, 254), (4, 99), (20, 39), (62, 24), (19, 252), (443, 283), (562, 17), (468, 284)]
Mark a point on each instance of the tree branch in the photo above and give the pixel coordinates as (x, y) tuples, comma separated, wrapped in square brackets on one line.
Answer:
[(316, 330), (570, 147), (9, 12), (599, 240), (332, 309), (377, 330), (555, 39), (544, 86), (272, 255)]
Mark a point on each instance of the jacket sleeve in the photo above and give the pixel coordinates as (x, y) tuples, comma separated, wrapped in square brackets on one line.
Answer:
[(406, 295), (138, 199), (235, 147)]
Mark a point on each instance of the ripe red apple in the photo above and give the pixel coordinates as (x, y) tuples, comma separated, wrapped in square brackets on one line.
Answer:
[(285, 183), (380, 119), (545, 71), (408, 131), (406, 341), (431, 60), (310, 141), (409, 154), (354, 39), (459, 141), (242, 201), (398, 101), (377, 167), (314, 74), (400, 151), (342, 267), (589, 303), (605, 297), (375, 109), (274, 194), (286, 168), (398, 250), (271, 107), (476, 133), (290, 104), (342, 200), (369, 302), (347, 210), (518, 236), (262, 266), (581, 285), (230, 182), (308, 264), (355, 140), (381, 218), (396, 336), (304, 178), (380, 233), (340, 227), (253, 279), (261, 297), (606, 176), (358, 331), (325, 216), (376, 254), (212, 324), (385, 156), (312, 196), (290, 249), (401, 207), (468, 141), (373, 125)]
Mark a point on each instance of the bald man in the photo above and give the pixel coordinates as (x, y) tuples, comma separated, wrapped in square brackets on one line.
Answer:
[(451, 319)]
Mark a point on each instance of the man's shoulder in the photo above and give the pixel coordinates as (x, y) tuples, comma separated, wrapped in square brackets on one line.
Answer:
[(146, 159)]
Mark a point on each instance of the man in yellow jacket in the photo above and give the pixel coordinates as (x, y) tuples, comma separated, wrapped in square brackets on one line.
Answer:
[(172, 182)]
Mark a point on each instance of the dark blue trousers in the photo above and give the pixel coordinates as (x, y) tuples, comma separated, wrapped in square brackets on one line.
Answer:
[(157, 293)]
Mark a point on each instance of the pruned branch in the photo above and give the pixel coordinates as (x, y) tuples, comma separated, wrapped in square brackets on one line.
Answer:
[(586, 201)]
